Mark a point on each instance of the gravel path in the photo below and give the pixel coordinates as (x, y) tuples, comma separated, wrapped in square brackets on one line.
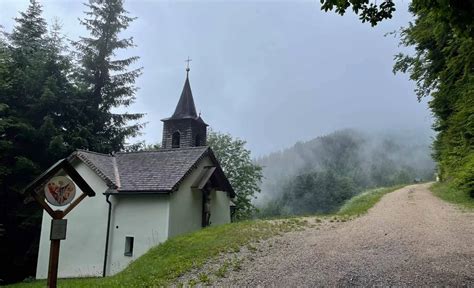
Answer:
[(410, 238)]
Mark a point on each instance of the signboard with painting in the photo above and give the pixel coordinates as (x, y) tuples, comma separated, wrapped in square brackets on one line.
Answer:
[(59, 191)]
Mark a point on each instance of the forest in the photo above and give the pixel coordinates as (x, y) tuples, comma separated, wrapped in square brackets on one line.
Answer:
[(57, 96), (319, 175)]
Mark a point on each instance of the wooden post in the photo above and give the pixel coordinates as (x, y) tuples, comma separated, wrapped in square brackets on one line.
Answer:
[(55, 237), (53, 263)]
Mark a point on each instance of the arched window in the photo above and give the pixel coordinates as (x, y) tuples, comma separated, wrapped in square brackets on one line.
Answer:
[(175, 140), (197, 140)]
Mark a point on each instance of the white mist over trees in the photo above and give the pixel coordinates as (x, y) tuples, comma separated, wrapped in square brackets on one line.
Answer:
[(319, 175)]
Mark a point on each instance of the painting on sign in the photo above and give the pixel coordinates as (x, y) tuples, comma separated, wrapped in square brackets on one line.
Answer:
[(59, 191)]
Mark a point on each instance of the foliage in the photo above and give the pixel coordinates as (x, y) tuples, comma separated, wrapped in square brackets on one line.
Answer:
[(443, 68), (361, 203), (244, 175), (451, 193), (317, 192), (106, 82), (48, 109), (368, 12), (319, 175), (149, 147), (34, 95), (167, 261)]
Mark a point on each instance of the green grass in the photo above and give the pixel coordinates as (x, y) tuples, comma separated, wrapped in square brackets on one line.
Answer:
[(173, 258), (167, 261), (448, 192), (361, 203)]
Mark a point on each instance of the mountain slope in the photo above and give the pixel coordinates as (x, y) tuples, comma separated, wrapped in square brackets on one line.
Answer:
[(320, 174)]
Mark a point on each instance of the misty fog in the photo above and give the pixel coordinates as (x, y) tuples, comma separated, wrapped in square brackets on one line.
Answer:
[(366, 159)]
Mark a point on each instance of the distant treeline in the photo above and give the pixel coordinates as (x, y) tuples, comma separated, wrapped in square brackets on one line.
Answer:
[(319, 175)]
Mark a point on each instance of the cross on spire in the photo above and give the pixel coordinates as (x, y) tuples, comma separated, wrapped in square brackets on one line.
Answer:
[(187, 65)]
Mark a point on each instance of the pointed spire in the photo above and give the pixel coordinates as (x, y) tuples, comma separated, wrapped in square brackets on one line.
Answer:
[(185, 107)]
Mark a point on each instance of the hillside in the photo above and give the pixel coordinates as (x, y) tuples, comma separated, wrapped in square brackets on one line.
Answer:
[(184, 259), (317, 176), (378, 249)]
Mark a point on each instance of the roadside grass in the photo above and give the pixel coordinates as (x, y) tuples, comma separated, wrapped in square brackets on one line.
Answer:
[(448, 192), (171, 259), (163, 264), (361, 203)]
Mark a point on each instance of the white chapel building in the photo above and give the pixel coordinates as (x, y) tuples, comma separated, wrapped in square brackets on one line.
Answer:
[(142, 199)]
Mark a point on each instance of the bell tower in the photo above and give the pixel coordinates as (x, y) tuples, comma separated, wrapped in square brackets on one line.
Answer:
[(185, 128)]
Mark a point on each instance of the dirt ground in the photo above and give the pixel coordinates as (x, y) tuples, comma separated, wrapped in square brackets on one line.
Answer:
[(409, 238)]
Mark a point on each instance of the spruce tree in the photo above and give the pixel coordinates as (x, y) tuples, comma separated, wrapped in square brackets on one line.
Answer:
[(22, 69), (29, 32), (107, 83), (35, 110), (26, 50)]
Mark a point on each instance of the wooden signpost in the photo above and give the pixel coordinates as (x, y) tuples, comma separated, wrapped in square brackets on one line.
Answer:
[(58, 191)]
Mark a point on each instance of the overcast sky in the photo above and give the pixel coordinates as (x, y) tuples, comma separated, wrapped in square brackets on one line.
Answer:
[(271, 73)]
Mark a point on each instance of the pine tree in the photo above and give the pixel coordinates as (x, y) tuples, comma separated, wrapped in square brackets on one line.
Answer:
[(107, 82)]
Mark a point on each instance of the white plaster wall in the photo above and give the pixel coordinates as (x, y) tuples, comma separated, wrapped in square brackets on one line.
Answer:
[(144, 217), (220, 210), (150, 219), (82, 253), (186, 204)]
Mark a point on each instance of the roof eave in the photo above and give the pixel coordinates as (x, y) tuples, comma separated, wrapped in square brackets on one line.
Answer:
[(198, 119), (229, 189), (138, 192), (211, 155)]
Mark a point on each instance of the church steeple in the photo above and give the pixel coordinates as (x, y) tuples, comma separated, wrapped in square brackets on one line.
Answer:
[(185, 107), (184, 128)]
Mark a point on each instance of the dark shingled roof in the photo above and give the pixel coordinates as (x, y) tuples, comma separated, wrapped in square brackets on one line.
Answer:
[(148, 171), (102, 164), (186, 108)]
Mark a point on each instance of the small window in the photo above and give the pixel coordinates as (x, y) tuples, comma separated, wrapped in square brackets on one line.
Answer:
[(175, 139), (197, 140), (128, 246)]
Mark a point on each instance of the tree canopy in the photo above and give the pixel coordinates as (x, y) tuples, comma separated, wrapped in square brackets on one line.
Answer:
[(442, 66), (317, 176), (244, 175), (368, 12), (106, 82), (53, 101)]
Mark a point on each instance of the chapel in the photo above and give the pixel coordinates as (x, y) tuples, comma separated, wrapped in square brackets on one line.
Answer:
[(142, 198)]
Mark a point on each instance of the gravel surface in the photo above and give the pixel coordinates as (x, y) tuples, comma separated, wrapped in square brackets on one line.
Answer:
[(410, 238)]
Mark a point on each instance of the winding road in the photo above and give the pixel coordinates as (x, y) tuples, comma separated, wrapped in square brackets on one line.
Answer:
[(410, 238)]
